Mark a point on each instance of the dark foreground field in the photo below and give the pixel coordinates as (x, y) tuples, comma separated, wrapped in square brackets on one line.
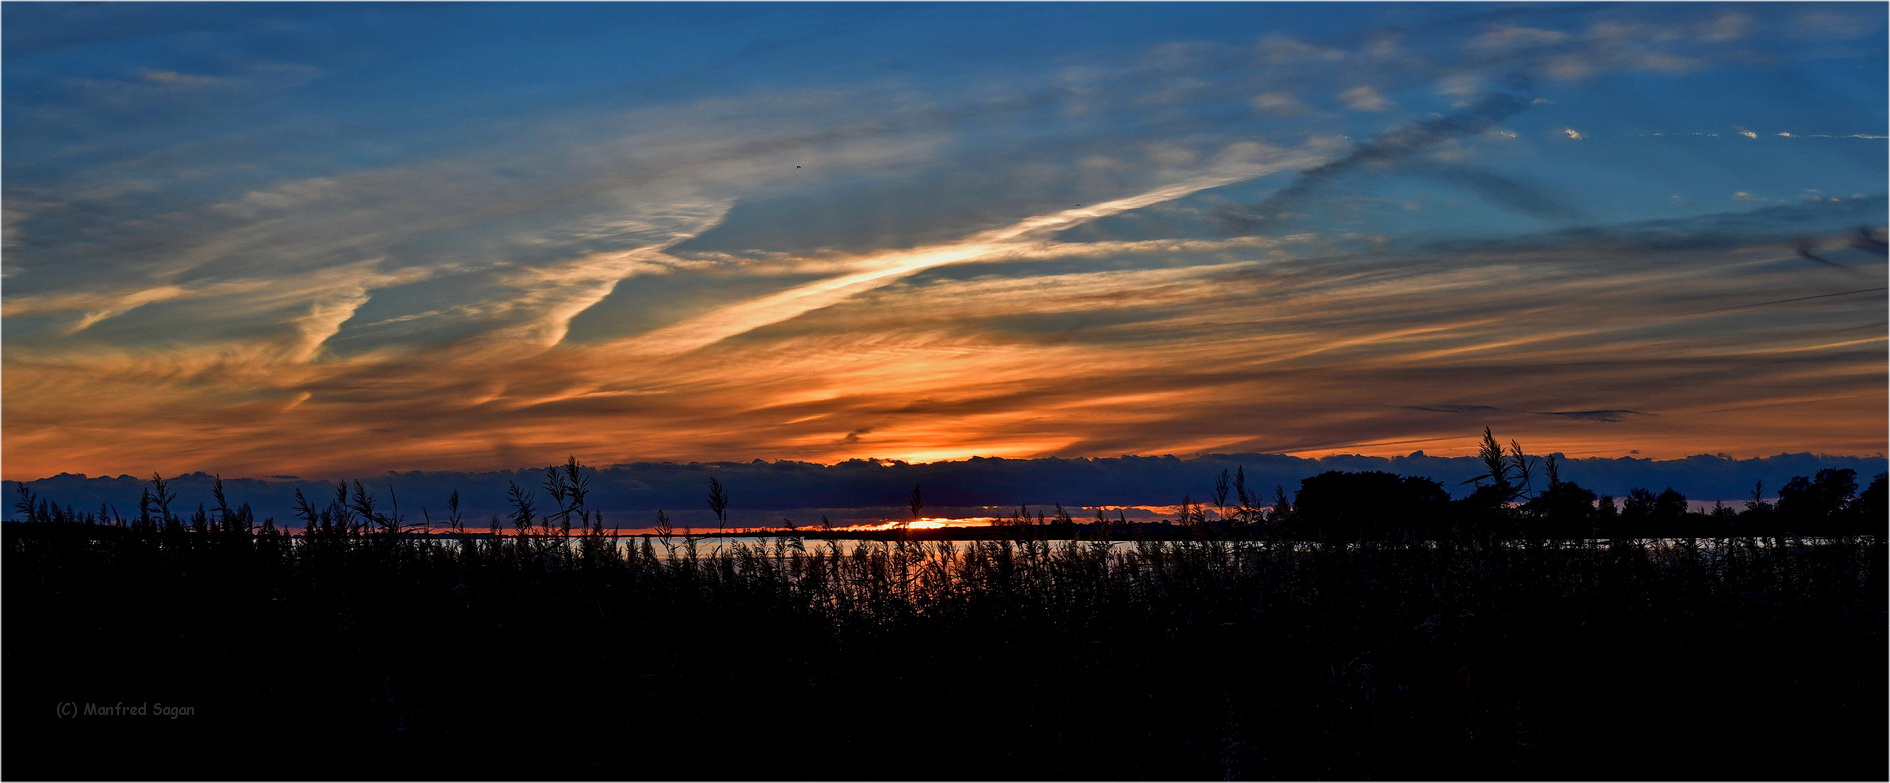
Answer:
[(367, 658), (345, 654)]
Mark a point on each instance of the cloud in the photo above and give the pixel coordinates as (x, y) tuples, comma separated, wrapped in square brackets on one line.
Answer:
[(1614, 44), (1462, 85), (1763, 227), (1366, 99), (1276, 49), (1392, 146), (1455, 408), (158, 97), (881, 269), (645, 201), (1280, 104), (1603, 416), (1867, 136), (1831, 24), (1726, 27), (933, 265), (178, 79), (1608, 416), (1505, 192), (945, 367), (1505, 39)]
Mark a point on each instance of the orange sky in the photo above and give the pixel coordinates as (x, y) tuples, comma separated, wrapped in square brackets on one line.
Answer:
[(1256, 351), (1601, 231)]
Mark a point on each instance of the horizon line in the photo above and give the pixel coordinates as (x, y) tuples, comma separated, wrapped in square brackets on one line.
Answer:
[(895, 462)]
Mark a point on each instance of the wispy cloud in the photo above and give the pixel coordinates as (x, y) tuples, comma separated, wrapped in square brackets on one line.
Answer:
[(1256, 238), (1008, 241), (1366, 98), (1151, 361), (1280, 103)]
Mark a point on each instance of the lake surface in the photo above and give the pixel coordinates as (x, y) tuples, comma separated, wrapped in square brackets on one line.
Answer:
[(709, 545)]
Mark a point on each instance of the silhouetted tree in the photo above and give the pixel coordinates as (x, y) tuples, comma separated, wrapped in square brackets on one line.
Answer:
[(1868, 511), (1282, 508), (1607, 515), (1759, 515), (1646, 514), (1812, 504), (1564, 510), (1342, 506)]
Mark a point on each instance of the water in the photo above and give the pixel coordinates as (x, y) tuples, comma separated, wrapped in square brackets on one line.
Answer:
[(709, 545)]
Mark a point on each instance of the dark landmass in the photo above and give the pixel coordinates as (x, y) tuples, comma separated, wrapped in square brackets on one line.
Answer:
[(1371, 627), (870, 490)]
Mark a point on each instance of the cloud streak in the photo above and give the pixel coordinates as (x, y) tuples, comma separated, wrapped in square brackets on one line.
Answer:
[(1008, 241), (1392, 146), (886, 249)]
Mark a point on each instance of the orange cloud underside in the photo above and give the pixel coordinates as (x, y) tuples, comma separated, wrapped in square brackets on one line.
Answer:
[(1246, 349), (1142, 250)]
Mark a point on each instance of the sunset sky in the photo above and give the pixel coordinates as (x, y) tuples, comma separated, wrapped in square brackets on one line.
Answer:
[(338, 239)]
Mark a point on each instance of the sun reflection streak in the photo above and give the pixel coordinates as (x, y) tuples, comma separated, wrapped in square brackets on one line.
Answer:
[(924, 523)]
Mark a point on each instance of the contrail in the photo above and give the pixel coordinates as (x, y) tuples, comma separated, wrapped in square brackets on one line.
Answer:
[(1798, 299), (883, 268), (1804, 249), (1867, 240), (1499, 190), (1392, 145)]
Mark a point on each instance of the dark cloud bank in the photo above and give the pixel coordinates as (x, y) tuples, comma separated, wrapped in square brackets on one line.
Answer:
[(763, 492)]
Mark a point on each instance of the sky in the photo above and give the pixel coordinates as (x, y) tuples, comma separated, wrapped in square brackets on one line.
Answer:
[(333, 240)]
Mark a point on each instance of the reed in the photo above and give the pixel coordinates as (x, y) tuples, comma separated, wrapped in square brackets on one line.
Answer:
[(1240, 649)]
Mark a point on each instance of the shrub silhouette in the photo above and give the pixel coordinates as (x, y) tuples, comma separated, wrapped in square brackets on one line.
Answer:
[(1563, 510), (1811, 504), (1343, 506)]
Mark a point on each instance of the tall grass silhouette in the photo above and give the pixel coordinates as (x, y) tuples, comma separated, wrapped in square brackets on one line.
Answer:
[(1491, 637)]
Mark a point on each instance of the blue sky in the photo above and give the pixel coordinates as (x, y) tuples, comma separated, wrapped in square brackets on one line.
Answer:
[(330, 238)]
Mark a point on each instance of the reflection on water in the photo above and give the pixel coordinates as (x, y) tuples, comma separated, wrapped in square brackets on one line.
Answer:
[(710, 545)]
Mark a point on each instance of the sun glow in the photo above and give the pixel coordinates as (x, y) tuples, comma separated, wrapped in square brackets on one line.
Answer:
[(923, 523)]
